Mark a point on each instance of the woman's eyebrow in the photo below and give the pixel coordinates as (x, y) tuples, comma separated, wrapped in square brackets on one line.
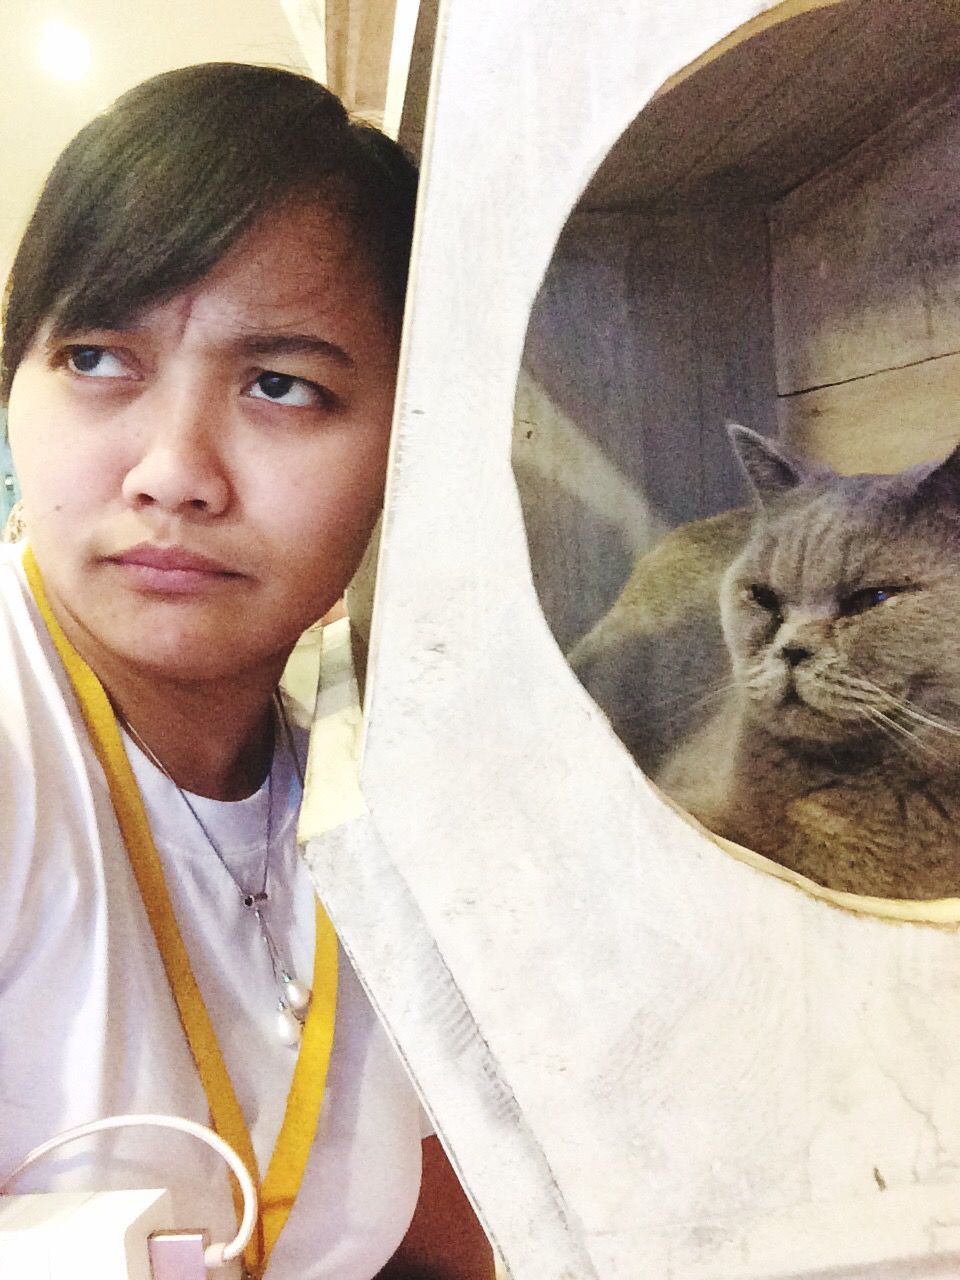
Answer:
[(275, 344)]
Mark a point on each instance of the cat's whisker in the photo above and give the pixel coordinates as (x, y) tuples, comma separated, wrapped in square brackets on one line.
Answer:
[(756, 679), (849, 698), (922, 717), (689, 699), (889, 726), (905, 706), (692, 701), (881, 720), (853, 681), (942, 726), (681, 713)]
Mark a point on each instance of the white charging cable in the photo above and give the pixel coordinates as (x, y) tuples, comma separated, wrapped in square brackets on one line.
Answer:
[(215, 1255)]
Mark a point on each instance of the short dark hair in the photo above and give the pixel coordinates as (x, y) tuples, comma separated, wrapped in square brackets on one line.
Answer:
[(150, 195)]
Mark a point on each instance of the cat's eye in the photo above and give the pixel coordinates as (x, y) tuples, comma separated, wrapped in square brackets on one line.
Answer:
[(765, 597), (865, 598)]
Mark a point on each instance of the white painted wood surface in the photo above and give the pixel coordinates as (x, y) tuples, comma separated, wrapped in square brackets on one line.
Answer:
[(649, 1057), (866, 255)]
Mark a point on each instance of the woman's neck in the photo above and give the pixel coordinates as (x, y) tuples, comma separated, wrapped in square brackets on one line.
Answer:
[(209, 742), (212, 733)]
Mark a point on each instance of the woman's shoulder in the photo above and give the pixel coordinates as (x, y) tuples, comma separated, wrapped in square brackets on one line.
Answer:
[(11, 554), (15, 603), (30, 675), (45, 770), (19, 618)]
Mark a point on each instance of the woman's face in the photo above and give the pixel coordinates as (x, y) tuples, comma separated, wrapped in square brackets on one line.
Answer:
[(199, 484)]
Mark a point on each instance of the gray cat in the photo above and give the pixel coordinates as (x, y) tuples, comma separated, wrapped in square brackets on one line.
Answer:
[(837, 752)]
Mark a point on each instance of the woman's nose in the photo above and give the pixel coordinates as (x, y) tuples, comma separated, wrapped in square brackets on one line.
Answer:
[(180, 468)]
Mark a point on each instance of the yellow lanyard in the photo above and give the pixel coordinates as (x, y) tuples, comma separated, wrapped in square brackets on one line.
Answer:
[(285, 1172)]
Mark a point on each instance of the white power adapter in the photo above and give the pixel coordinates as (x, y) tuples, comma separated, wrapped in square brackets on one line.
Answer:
[(113, 1235), (97, 1235)]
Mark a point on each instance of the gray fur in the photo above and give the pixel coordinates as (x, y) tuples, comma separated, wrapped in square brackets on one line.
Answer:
[(649, 661), (837, 752)]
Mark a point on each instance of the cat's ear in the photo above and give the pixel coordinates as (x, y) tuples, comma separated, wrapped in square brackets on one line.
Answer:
[(940, 487), (770, 472)]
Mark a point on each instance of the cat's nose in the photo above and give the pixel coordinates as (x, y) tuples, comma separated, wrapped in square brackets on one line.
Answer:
[(794, 654)]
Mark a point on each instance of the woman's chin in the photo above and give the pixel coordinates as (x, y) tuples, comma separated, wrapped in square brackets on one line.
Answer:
[(181, 654)]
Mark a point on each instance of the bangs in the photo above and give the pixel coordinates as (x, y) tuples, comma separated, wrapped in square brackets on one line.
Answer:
[(149, 197)]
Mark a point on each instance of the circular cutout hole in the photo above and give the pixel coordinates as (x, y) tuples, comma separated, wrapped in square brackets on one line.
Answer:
[(770, 242)]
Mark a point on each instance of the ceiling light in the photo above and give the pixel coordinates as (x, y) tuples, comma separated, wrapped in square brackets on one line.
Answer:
[(64, 51)]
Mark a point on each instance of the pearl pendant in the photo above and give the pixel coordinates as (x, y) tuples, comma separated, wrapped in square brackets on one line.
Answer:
[(289, 1028), (296, 996)]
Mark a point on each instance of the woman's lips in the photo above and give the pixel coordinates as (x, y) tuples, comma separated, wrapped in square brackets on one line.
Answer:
[(171, 570)]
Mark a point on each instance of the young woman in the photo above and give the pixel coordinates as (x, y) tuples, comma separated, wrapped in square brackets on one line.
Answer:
[(199, 352)]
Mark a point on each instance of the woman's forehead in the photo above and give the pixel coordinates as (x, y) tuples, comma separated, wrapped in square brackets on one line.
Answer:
[(301, 258), (297, 283)]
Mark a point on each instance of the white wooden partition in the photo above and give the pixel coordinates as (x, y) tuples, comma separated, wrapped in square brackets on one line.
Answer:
[(649, 1056)]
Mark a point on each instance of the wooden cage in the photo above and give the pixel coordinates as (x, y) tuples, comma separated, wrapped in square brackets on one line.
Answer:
[(648, 1054)]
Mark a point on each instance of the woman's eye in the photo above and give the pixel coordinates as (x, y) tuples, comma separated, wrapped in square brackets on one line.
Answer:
[(765, 597), (285, 389), (865, 598), (94, 362)]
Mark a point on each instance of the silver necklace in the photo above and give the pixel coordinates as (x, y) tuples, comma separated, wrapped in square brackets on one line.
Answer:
[(293, 995)]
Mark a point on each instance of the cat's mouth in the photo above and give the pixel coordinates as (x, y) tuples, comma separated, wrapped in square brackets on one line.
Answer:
[(799, 715), (791, 695), (803, 714)]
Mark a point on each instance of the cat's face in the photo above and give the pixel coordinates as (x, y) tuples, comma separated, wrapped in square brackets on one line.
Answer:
[(842, 614)]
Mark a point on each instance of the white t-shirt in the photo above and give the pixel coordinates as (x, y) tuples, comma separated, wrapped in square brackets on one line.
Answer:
[(88, 1027)]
